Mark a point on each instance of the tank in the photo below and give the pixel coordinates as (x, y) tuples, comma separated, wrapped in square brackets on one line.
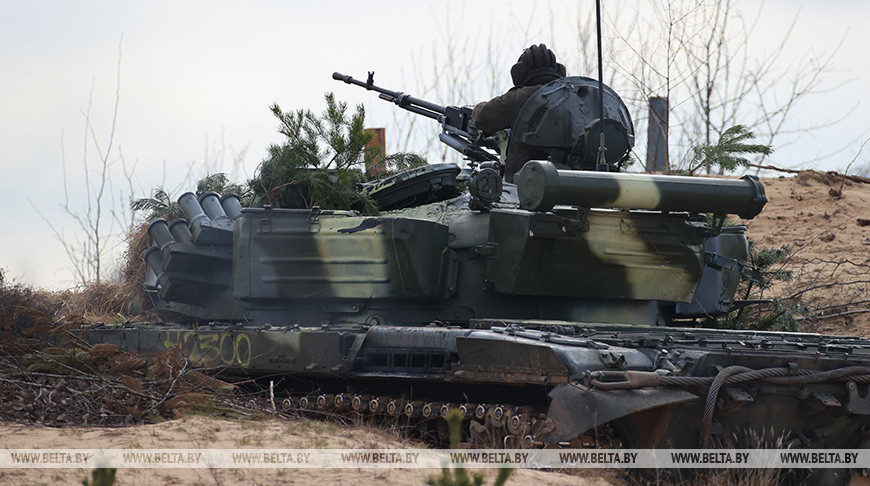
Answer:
[(559, 311)]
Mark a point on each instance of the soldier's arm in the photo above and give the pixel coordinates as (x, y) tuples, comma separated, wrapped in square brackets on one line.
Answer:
[(498, 113)]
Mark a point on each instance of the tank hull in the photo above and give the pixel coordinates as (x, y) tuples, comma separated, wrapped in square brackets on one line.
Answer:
[(566, 379)]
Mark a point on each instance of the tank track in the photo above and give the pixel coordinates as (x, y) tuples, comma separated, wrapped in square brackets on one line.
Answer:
[(484, 424)]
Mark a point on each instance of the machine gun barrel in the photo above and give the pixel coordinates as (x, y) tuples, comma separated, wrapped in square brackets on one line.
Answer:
[(541, 186), (458, 130), (408, 102)]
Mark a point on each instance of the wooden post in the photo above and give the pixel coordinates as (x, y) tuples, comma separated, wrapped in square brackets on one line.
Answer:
[(657, 135), (375, 166)]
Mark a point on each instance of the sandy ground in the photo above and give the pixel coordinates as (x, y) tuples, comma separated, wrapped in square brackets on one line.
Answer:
[(199, 432), (818, 215), (825, 219)]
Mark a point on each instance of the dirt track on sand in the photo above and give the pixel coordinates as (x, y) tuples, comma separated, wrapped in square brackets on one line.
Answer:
[(199, 432)]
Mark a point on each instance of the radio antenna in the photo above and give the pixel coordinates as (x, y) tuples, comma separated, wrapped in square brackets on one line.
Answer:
[(602, 159)]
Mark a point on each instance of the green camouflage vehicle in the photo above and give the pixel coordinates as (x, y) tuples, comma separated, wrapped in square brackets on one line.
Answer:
[(552, 311)]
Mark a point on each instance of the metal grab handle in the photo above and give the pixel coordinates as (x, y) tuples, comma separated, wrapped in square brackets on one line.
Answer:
[(623, 380)]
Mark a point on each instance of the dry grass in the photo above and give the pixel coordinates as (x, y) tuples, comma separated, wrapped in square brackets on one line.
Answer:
[(133, 268), (44, 364), (117, 300), (120, 299), (67, 382), (701, 477)]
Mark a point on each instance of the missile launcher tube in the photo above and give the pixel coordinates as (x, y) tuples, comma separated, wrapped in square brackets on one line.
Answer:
[(180, 231), (541, 186), (193, 212), (232, 205), (159, 231), (211, 205), (154, 258)]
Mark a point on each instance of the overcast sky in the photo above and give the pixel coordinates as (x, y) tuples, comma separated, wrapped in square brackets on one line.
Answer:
[(197, 78)]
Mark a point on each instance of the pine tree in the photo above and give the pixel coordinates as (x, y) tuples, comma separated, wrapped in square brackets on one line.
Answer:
[(319, 164)]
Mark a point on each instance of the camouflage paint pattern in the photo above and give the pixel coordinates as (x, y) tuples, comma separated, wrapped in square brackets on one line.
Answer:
[(600, 254), (301, 255), (541, 187), (441, 261)]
